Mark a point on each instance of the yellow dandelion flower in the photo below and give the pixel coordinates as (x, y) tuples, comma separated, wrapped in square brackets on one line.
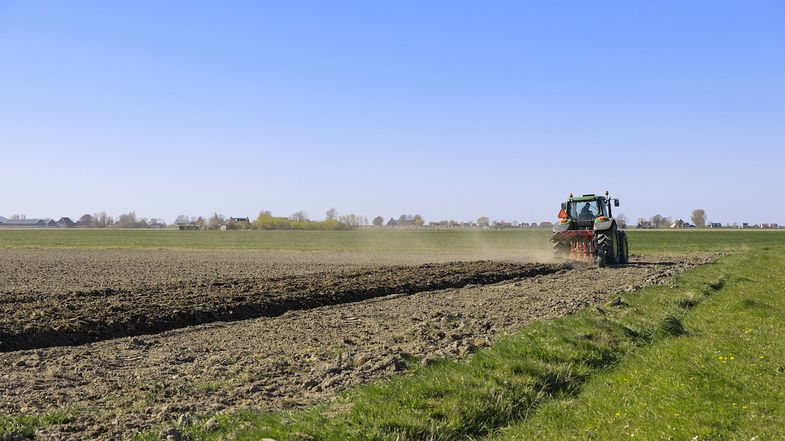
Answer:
[(733, 404), (743, 407), (731, 357), (761, 357), (618, 414)]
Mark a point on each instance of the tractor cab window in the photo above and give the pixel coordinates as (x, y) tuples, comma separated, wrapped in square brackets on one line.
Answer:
[(585, 210)]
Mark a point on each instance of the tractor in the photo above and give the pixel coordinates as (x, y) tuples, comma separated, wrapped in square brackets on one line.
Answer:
[(586, 231)]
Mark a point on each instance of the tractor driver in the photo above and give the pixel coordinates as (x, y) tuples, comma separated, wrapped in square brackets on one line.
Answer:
[(587, 212)]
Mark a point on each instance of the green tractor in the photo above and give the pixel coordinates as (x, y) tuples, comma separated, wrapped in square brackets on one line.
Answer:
[(587, 231)]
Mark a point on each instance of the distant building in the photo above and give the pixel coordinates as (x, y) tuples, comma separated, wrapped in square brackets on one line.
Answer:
[(715, 225), (644, 224), (392, 223), (239, 219), (24, 223), (546, 224), (66, 222)]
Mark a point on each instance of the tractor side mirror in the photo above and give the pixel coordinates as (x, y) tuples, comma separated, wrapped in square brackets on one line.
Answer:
[(564, 206), (615, 202)]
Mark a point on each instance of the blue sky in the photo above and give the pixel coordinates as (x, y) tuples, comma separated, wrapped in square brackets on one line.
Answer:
[(449, 109)]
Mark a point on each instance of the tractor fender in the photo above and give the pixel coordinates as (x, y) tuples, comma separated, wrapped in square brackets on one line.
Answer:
[(602, 226)]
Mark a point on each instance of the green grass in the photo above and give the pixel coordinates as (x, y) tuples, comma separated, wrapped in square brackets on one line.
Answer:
[(724, 380), (354, 240), (691, 240), (641, 241), (25, 425), (650, 357)]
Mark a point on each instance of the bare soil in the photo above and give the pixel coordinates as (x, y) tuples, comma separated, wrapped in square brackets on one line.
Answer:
[(342, 320)]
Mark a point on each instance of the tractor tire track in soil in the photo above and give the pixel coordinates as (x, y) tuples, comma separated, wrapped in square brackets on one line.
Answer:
[(39, 320)]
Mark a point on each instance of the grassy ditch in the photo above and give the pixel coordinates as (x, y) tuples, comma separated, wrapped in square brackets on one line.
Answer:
[(547, 364), (724, 380)]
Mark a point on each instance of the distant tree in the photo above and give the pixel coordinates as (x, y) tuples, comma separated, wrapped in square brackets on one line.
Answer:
[(182, 219), (667, 221), (265, 213), (656, 221), (200, 223), (698, 217), (351, 220), (378, 221), (18, 216), (215, 221), (418, 221), (127, 220), (332, 214), (101, 219), (483, 221), (300, 216), (621, 220), (86, 221), (242, 225)]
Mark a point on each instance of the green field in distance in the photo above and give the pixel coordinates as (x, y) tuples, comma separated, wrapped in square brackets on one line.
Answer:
[(641, 241)]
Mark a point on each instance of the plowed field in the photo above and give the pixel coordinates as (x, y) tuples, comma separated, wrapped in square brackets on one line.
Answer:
[(127, 340)]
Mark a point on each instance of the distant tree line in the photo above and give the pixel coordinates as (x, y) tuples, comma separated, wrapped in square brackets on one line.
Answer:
[(333, 221), (266, 221), (126, 220), (698, 218)]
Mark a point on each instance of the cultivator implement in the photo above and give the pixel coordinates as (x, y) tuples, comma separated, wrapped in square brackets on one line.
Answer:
[(579, 243)]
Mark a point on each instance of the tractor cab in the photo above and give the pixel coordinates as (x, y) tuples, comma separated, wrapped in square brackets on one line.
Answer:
[(582, 211)]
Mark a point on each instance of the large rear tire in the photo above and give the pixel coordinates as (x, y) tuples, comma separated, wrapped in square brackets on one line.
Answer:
[(624, 251), (607, 246)]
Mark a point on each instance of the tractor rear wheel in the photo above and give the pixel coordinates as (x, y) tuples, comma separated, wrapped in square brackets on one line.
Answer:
[(607, 246), (624, 251)]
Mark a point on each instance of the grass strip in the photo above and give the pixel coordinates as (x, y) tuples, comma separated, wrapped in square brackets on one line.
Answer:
[(18, 427), (495, 387), (724, 379)]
